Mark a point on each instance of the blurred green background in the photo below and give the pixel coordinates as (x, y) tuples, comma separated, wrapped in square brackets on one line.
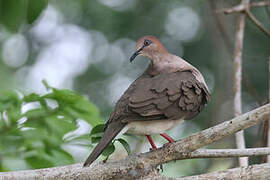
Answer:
[(84, 46)]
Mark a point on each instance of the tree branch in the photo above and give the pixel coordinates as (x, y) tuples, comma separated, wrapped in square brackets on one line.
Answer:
[(227, 153), (240, 8), (245, 8), (237, 59), (144, 165), (257, 23), (261, 171), (229, 46)]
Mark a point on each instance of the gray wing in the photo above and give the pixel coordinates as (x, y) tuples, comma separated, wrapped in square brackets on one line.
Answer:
[(165, 96)]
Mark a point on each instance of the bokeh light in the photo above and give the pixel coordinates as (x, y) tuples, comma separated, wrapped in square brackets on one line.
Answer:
[(119, 5), (182, 23), (15, 51)]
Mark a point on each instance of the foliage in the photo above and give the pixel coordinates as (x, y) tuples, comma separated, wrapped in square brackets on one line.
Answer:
[(96, 134), (20, 13), (36, 135)]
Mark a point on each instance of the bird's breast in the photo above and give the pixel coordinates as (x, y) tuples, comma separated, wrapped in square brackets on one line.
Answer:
[(151, 127)]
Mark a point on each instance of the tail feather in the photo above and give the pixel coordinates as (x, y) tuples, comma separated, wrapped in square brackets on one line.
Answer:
[(111, 131)]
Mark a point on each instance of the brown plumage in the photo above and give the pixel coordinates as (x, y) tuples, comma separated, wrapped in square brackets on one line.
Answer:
[(168, 92)]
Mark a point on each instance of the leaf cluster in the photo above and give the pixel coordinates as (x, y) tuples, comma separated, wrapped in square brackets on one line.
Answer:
[(33, 126)]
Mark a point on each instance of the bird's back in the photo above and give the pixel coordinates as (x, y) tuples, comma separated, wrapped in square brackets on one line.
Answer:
[(165, 96)]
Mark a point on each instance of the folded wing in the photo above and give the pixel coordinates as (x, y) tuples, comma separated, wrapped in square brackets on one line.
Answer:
[(171, 95)]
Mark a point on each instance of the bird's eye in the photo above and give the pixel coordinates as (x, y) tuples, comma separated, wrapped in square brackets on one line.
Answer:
[(147, 42)]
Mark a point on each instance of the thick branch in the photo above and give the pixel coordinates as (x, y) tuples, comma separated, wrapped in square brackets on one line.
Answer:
[(143, 165), (227, 153), (261, 171)]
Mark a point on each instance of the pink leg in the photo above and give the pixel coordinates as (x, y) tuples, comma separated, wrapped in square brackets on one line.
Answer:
[(154, 148), (167, 137), (151, 142)]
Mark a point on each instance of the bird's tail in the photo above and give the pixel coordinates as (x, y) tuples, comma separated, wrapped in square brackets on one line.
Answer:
[(111, 131)]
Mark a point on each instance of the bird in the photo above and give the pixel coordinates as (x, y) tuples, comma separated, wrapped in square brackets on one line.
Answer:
[(168, 92)]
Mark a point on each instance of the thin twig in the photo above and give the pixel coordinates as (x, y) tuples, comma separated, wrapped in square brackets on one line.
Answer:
[(235, 9), (239, 38), (257, 22), (240, 8), (245, 8), (259, 4)]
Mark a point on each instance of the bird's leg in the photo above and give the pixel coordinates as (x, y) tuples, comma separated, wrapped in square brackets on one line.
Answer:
[(168, 138), (154, 147)]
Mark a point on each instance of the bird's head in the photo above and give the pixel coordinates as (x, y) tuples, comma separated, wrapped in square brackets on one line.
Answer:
[(148, 46)]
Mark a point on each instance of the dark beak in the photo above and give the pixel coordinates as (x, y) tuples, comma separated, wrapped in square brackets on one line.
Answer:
[(135, 54)]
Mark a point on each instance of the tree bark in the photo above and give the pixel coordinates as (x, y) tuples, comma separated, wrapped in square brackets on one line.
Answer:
[(261, 171)]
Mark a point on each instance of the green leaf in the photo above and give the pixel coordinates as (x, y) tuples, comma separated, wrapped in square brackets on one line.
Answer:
[(76, 106), (61, 157), (64, 96), (60, 126), (95, 140), (31, 97), (125, 145), (12, 13), (36, 113), (34, 9), (41, 160), (108, 150), (9, 100), (97, 129), (14, 114)]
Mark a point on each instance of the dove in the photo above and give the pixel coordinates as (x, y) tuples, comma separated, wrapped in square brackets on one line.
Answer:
[(169, 91)]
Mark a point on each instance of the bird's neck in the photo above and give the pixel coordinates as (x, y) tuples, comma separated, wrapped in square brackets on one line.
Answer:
[(170, 63), (166, 63)]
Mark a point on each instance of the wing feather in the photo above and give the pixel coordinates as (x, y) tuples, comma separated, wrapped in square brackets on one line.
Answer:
[(165, 96)]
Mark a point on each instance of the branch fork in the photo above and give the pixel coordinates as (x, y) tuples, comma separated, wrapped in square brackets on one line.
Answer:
[(245, 8)]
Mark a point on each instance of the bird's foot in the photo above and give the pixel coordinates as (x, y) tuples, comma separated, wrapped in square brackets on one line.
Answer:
[(166, 144), (154, 147), (160, 168), (105, 160)]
